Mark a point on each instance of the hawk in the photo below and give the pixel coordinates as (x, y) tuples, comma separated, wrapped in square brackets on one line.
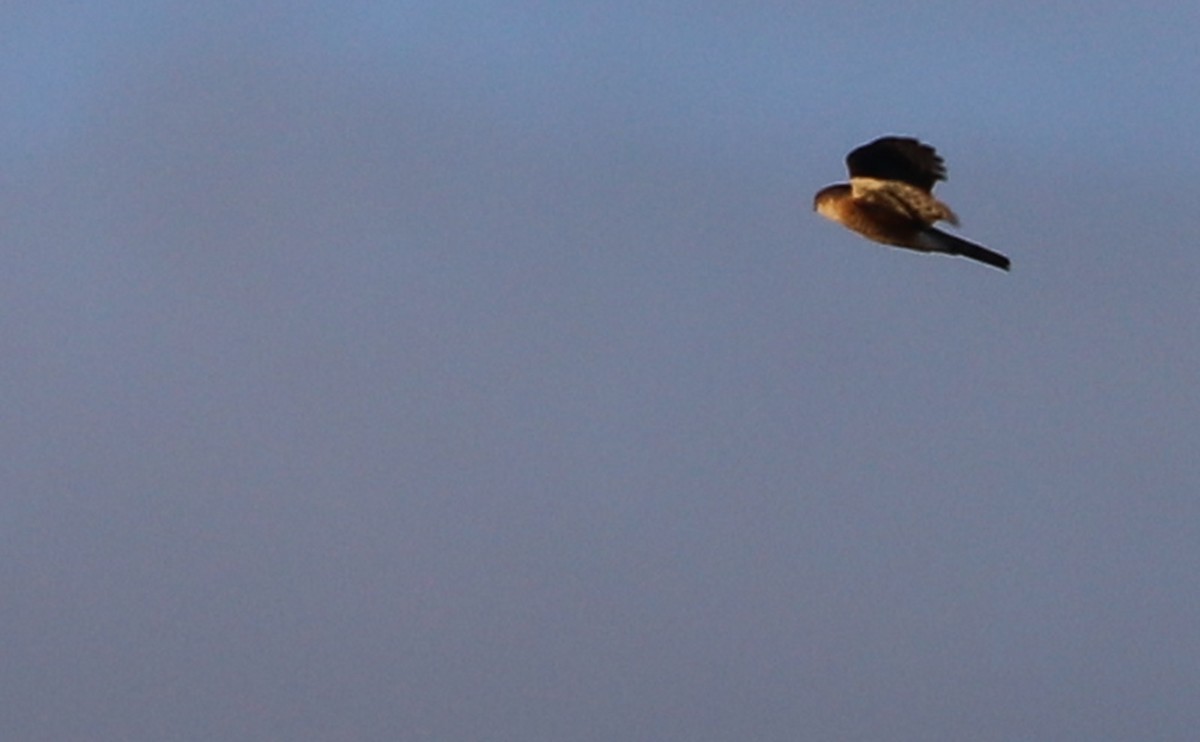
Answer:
[(889, 199)]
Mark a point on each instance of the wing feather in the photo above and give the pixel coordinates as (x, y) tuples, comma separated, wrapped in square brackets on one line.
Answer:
[(902, 198), (898, 158)]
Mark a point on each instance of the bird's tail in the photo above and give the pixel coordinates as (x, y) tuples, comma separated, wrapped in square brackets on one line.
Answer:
[(935, 240)]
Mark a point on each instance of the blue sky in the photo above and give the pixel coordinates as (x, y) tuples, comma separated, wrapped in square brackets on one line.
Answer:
[(480, 371)]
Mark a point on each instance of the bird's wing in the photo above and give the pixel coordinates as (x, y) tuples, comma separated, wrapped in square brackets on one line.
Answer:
[(901, 198), (897, 158)]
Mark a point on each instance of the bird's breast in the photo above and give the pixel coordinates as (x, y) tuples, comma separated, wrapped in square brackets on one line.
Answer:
[(877, 223)]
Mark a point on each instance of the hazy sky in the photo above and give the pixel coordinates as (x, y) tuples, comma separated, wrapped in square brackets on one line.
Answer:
[(478, 371)]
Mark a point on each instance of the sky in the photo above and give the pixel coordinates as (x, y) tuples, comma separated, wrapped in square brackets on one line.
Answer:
[(479, 371)]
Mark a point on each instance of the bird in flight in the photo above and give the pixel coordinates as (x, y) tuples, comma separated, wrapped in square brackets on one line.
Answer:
[(889, 199)]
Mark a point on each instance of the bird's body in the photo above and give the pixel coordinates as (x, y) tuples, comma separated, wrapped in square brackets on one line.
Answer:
[(889, 199)]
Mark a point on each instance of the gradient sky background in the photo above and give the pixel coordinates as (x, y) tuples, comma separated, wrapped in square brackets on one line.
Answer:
[(478, 371)]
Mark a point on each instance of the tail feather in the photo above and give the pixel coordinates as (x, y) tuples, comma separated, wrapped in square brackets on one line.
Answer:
[(939, 241)]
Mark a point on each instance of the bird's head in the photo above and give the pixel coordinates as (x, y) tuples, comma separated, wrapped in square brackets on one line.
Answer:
[(826, 201)]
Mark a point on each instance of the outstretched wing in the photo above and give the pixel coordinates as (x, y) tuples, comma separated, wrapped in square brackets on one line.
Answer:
[(897, 158)]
